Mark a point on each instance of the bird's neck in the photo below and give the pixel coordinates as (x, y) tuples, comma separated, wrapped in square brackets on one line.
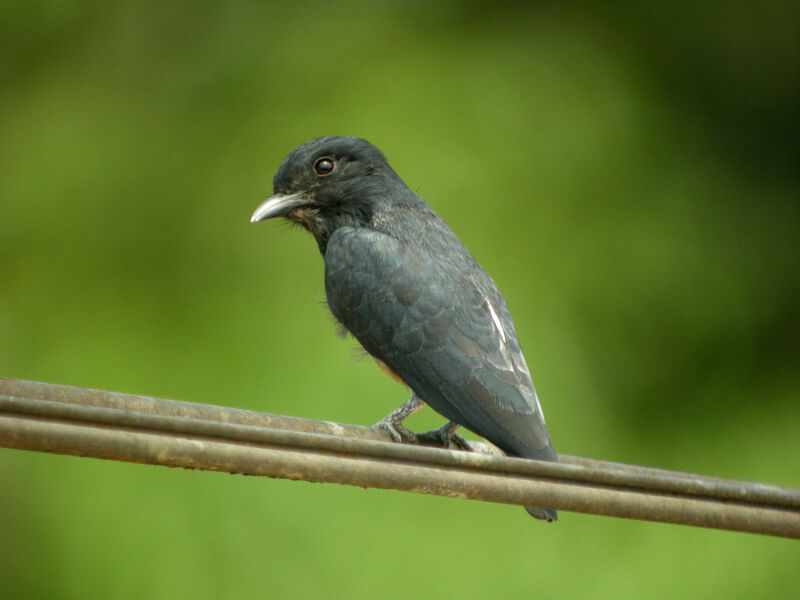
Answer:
[(364, 207), (323, 227)]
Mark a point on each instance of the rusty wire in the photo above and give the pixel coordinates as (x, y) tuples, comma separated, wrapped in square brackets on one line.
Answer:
[(83, 422)]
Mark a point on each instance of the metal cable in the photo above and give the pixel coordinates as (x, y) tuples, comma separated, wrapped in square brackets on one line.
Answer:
[(79, 421)]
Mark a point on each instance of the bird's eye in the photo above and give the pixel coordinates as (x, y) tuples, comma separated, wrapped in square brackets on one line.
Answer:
[(323, 166)]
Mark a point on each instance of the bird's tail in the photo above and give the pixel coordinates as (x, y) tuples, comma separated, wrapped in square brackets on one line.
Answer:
[(545, 514)]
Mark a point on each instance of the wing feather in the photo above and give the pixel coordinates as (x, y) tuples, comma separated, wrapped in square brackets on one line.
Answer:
[(441, 324)]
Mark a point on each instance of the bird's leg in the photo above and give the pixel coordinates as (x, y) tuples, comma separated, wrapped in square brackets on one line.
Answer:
[(445, 437), (393, 422)]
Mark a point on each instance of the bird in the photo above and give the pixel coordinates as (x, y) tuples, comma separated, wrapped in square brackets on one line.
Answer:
[(403, 285)]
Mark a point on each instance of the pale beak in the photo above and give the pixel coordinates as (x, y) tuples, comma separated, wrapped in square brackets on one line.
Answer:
[(278, 206)]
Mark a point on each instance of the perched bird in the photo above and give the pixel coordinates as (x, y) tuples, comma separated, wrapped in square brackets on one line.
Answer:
[(400, 281)]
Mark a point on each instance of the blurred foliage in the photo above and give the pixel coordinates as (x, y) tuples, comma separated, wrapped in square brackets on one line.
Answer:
[(627, 172)]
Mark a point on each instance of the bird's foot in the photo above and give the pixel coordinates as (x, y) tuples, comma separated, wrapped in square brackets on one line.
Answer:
[(444, 437), (397, 432), (393, 422)]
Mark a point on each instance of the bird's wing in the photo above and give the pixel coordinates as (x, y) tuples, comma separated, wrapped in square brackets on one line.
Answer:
[(432, 323)]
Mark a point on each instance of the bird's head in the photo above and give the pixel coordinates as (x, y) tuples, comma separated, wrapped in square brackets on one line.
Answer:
[(330, 182)]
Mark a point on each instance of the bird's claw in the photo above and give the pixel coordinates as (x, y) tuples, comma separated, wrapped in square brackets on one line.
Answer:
[(396, 431), (444, 437), (393, 422)]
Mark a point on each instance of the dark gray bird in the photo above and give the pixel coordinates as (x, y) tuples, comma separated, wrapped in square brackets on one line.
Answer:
[(405, 287)]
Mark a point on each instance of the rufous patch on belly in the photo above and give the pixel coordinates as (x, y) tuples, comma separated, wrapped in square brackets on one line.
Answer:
[(385, 368)]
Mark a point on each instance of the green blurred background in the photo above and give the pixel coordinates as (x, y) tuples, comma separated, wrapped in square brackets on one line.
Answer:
[(628, 174)]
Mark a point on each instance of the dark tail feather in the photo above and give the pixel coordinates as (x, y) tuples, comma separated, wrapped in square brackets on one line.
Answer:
[(545, 514)]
